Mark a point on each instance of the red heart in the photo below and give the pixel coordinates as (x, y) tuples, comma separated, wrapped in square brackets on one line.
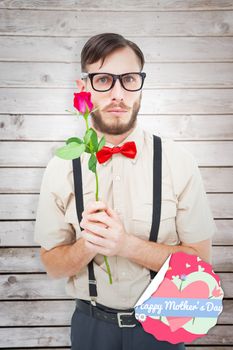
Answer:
[(168, 289)]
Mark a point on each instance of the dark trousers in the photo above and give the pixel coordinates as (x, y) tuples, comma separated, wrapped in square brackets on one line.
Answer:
[(88, 333)]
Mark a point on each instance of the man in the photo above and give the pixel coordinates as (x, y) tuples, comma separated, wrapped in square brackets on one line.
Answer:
[(119, 225)]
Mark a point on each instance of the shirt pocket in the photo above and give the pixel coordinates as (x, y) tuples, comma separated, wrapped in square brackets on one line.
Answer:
[(167, 230), (142, 220), (71, 215), (168, 209)]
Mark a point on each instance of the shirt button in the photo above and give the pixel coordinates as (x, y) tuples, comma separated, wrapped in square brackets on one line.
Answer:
[(117, 178)]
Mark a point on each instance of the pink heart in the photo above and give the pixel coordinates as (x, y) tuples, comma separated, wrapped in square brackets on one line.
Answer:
[(168, 289)]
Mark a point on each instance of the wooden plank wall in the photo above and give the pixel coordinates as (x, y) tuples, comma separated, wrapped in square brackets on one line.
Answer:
[(188, 96)]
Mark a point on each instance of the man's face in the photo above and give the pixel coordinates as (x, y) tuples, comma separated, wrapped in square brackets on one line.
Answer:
[(121, 61)]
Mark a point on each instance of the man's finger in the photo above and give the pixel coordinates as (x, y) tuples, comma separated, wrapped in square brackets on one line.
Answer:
[(100, 217), (84, 222), (112, 213), (94, 239), (95, 228), (93, 207)]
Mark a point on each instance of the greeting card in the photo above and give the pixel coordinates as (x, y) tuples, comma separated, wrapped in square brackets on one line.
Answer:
[(182, 302)]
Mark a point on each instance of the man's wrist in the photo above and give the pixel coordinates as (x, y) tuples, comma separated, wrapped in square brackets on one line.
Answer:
[(82, 245), (131, 246)]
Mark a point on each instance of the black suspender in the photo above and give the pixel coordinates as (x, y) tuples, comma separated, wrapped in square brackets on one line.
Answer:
[(157, 191), (78, 188)]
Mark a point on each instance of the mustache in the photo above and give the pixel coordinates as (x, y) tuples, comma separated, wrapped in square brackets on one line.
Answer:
[(119, 105)]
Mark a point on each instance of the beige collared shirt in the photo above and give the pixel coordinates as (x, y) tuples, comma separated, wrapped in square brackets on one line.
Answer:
[(126, 186)]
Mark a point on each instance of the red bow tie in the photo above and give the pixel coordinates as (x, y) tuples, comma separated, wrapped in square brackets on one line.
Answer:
[(128, 149)]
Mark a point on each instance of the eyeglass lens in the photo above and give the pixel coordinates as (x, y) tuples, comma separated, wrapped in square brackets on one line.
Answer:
[(132, 81)]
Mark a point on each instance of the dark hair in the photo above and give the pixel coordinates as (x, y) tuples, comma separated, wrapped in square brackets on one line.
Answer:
[(101, 45)]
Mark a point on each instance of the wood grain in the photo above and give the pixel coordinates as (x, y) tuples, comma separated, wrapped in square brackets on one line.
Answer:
[(29, 127), (20, 233), (159, 75), (38, 154), (158, 101), (155, 49), (23, 206), (15, 260), (148, 23), (187, 96), (133, 5), (57, 313), (41, 286), (60, 336), (28, 180)]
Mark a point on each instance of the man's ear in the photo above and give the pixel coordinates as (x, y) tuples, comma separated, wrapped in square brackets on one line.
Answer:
[(81, 85)]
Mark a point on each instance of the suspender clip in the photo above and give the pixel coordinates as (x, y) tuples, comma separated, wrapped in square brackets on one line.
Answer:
[(92, 281), (93, 301)]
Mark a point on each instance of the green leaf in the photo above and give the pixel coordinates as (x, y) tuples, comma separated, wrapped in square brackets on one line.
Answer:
[(71, 151), (87, 149), (92, 163), (94, 140), (87, 136), (74, 139), (101, 143)]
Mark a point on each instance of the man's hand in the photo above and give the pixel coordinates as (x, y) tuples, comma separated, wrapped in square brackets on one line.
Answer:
[(105, 234), (103, 230)]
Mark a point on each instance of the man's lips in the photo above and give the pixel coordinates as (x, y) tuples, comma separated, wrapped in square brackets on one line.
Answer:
[(116, 110)]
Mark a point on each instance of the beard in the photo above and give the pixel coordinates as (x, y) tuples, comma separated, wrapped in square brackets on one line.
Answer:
[(116, 126)]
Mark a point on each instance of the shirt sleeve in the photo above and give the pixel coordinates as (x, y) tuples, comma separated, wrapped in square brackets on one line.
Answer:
[(194, 219), (51, 230)]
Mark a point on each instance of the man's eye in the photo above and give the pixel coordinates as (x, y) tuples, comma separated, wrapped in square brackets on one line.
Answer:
[(103, 80), (129, 79)]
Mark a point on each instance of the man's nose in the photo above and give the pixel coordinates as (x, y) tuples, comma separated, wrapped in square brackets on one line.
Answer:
[(117, 92)]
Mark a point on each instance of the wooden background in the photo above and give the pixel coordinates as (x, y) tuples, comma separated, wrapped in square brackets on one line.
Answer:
[(188, 96)]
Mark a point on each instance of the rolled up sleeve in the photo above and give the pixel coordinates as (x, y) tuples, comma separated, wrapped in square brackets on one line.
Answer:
[(51, 230)]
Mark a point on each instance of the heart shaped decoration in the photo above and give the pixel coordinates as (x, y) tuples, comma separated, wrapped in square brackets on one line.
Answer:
[(186, 288)]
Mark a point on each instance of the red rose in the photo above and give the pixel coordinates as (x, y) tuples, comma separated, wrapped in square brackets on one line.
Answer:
[(82, 102)]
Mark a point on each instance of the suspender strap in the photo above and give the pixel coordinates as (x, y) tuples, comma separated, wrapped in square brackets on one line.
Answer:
[(78, 188), (157, 189)]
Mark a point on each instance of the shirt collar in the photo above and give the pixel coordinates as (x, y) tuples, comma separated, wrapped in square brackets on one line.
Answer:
[(136, 135)]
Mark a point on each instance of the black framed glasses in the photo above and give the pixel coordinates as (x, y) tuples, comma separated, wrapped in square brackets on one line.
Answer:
[(102, 82)]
